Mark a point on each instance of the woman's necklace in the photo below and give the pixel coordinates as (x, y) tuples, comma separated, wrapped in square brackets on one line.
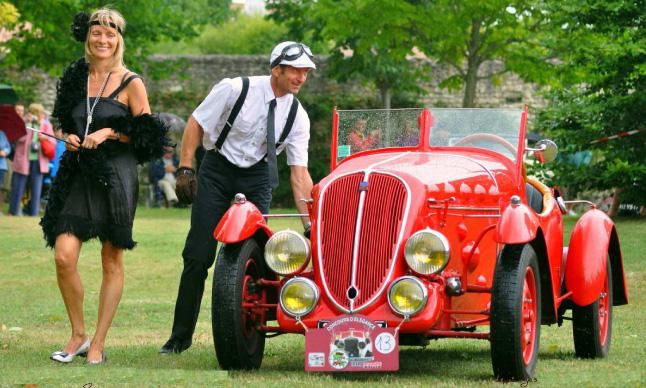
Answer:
[(90, 111)]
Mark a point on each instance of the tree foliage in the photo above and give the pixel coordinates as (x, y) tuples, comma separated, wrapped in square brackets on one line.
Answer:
[(45, 41), (603, 46), (462, 34), (9, 15), (370, 38), (243, 34)]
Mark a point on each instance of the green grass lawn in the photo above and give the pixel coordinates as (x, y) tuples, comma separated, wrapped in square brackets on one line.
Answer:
[(33, 323)]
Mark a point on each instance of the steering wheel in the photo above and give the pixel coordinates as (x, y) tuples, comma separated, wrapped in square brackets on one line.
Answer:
[(490, 137)]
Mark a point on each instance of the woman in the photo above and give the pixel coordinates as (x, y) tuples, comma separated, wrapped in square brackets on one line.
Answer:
[(102, 107)]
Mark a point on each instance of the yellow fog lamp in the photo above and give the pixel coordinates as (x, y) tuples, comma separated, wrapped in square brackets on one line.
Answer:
[(427, 252), (407, 296), (287, 252), (299, 296)]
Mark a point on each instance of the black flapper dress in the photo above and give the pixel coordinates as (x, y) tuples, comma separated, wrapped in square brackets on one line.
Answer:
[(88, 206)]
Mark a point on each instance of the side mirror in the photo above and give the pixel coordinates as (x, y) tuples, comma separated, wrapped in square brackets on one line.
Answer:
[(545, 151)]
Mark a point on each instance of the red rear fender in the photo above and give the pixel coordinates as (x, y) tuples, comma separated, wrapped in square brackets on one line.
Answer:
[(589, 247), (240, 222), (518, 225)]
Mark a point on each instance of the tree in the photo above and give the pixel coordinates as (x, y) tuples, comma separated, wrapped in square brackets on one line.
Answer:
[(9, 15), (370, 38), (243, 34), (603, 47), (464, 34), (44, 39)]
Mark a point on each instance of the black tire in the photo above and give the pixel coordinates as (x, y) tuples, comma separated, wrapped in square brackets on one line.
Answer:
[(589, 340), (513, 354), (238, 344)]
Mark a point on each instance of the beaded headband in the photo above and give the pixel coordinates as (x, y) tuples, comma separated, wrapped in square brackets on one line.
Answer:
[(81, 26)]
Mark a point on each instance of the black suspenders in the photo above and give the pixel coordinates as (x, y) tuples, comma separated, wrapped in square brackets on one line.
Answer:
[(236, 109), (289, 123), (234, 113)]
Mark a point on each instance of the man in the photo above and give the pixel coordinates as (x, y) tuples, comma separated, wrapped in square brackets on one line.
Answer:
[(239, 159), (162, 174)]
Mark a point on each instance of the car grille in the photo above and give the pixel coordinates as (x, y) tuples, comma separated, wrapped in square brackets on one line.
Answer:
[(381, 221)]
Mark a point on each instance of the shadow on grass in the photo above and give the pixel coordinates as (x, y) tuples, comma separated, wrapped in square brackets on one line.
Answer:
[(460, 364)]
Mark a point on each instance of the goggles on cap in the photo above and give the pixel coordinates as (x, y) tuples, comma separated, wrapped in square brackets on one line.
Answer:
[(291, 52)]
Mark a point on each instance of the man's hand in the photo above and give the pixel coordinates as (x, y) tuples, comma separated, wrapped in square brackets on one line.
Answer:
[(186, 185)]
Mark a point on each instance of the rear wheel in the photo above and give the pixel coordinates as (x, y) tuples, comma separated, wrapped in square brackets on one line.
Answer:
[(592, 324), (239, 344), (515, 314)]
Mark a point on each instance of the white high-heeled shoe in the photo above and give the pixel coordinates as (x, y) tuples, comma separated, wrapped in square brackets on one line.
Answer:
[(64, 357)]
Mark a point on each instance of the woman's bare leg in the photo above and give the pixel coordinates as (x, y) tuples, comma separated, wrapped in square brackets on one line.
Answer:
[(111, 289), (66, 255)]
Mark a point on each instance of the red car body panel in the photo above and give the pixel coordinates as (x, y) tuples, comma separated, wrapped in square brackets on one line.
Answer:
[(586, 262), (240, 222), (517, 225)]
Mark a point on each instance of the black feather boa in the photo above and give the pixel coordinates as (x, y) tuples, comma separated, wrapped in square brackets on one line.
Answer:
[(70, 89), (147, 133)]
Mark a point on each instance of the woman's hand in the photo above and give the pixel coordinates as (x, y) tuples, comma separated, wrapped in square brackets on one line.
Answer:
[(76, 143), (94, 139)]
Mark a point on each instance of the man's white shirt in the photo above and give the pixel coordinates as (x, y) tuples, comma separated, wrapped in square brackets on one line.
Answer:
[(246, 143)]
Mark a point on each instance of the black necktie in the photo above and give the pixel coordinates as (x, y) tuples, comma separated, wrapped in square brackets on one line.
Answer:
[(271, 146)]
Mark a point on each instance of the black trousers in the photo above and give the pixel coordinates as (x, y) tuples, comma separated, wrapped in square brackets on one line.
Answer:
[(218, 183)]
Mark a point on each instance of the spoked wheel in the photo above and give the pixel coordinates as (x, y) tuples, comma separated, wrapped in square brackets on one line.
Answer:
[(515, 314), (239, 344), (592, 324)]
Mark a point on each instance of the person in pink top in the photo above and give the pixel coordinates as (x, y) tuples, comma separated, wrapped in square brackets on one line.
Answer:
[(29, 162)]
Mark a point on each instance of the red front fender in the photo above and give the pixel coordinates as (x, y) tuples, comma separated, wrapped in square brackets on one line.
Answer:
[(518, 224), (585, 269), (240, 222)]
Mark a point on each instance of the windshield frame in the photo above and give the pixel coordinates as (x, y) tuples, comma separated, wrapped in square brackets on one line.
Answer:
[(425, 123)]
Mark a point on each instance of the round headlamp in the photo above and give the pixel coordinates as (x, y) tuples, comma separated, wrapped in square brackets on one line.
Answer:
[(287, 252), (299, 296), (407, 296), (427, 252)]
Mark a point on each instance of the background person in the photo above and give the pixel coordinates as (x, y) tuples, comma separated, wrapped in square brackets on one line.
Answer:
[(30, 162), (96, 187), (162, 175), (5, 149), (235, 163), (361, 139)]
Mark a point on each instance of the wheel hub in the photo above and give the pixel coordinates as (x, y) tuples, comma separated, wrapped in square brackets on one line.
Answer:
[(528, 321)]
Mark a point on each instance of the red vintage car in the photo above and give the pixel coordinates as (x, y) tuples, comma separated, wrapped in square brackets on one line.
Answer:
[(426, 227)]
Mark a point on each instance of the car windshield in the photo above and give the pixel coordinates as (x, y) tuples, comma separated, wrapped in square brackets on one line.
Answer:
[(492, 129), (363, 130)]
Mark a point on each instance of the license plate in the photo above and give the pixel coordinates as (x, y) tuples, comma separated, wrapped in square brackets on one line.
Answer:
[(351, 343)]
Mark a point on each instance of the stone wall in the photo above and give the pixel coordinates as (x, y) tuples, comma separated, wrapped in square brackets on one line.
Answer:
[(188, 78)]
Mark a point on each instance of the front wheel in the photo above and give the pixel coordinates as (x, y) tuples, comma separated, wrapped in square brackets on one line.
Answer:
[(515, 314), (239, 344), (592, 324)]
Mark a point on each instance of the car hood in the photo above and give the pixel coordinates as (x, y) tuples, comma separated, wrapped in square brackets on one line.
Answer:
[(439, 171)]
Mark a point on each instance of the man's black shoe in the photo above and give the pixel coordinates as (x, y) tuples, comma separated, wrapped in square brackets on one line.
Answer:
[(175, 346)]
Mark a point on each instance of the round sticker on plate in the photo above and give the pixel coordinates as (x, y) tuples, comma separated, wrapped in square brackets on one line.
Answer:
[(338, 359), (385, 343)]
